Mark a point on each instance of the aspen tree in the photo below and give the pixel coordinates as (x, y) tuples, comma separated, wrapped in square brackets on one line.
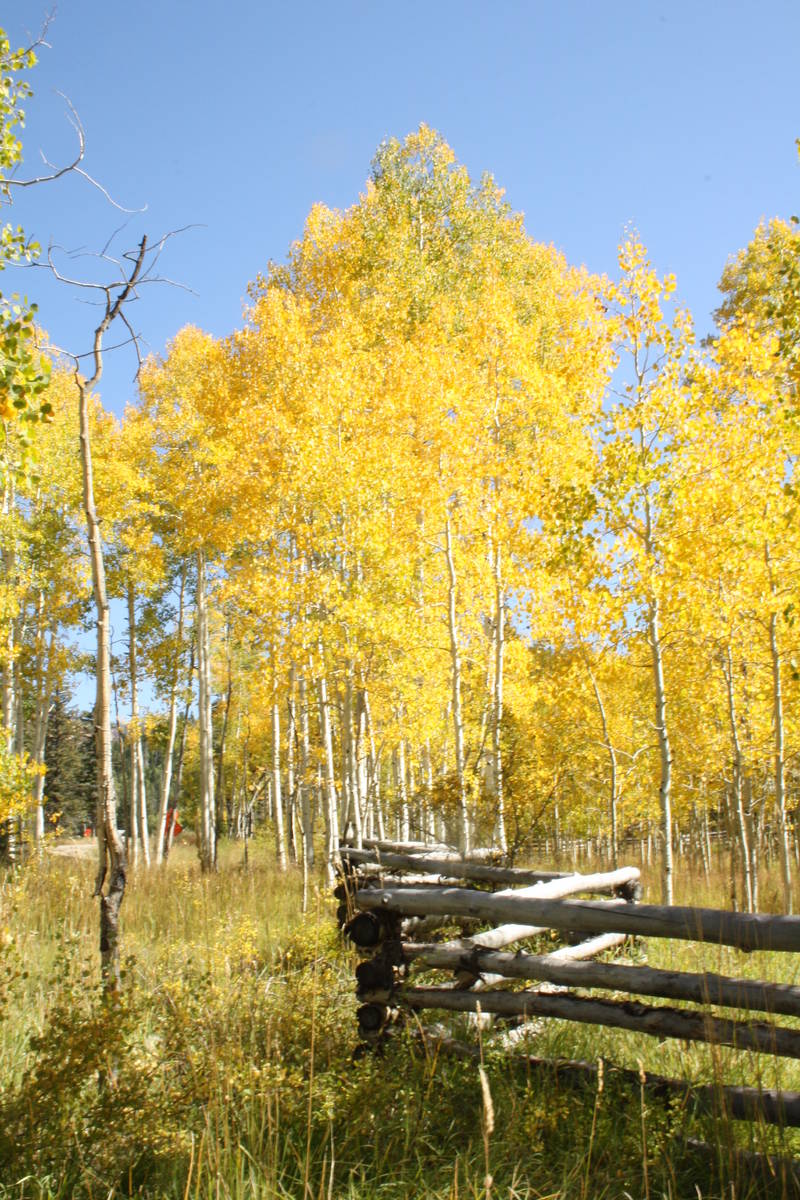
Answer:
[(640, 433)]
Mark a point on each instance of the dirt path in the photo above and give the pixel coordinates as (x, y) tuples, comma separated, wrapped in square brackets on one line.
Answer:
[(77, 848)]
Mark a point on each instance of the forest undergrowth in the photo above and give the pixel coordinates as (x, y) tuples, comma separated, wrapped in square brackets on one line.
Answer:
[(226, 1067)]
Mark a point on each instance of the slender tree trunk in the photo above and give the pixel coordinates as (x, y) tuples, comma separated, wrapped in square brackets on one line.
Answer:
[(133, 811), (458, 721), (362, 761), (401, 790), (779, 773), (179, 765), (497, 714), (8, 830), (612, 764), (291, 787), (9, 563), (350, 745), (208, 824), (280, 837), (665, 750), (779, 763), (373, 763), (121, 738), (111, 851), (45, 686), (738, 777), (172, 725), (305, 785), (220, 801), (330, 806), (137, 758)]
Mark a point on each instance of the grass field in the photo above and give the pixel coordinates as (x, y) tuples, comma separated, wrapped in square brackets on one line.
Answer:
[(228, 1069)]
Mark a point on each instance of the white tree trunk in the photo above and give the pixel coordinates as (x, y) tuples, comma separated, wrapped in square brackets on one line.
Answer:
[(280, 837), (612, 763), (137, 757), (738, 778), (458, 721), (291, 787), (306, 809), (207, 847), (497, 708), (399, 762), (172, 725), (45, 685), (330, 804), (665, 750), (779, 762)]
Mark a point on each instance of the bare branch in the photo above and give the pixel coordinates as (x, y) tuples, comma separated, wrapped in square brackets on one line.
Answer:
[(184, 287), (40, 39), (90, 179), (114, 307), (135, 337), (78, 283), (56, 172)]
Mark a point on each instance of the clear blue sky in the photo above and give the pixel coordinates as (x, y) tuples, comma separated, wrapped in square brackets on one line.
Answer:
[(679, 117)]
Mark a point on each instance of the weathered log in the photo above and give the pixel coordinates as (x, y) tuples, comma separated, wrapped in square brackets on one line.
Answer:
[(507, 934), (404, 847), (747, 931), (375, 974), (448, 868), (639, 1018), (741, 1103), (477, 855), (365, 930), (504, 935), (590, 948), (380, 876), (371, 1017), (422, 926), (702, 987), (779, 1172), (625, 880)]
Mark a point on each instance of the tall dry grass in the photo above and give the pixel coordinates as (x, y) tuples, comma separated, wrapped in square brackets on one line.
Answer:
[(231, 1073)]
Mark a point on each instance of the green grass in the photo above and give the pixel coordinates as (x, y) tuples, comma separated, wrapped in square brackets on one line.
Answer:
[(226, 1069)]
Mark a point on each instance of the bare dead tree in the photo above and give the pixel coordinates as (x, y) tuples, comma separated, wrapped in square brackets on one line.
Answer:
[(133, 269), (121, 279)]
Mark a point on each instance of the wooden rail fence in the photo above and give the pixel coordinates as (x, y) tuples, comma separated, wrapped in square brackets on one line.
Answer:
[(396, 899)]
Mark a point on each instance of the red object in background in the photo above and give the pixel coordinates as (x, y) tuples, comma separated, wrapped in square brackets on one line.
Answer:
[(172, 819), (87, 831)]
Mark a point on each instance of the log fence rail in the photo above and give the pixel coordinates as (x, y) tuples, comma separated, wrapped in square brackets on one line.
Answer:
[(396, 897)]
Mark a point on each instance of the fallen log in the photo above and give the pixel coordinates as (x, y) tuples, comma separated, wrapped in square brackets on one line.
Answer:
[(746, 931), (702, 987), (638, 1018), (741, 1103), (778, 1172)]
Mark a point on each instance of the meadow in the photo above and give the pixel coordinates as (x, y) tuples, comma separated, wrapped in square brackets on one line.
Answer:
[(226, 1067)]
